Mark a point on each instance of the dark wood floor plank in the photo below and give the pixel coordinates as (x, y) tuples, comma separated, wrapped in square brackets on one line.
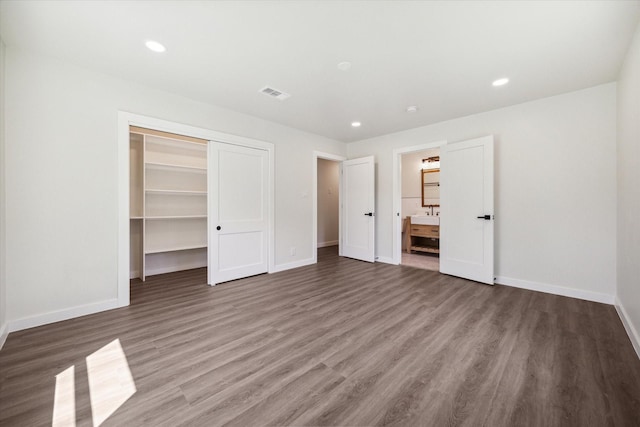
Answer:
[(291, 399), (342, 342)]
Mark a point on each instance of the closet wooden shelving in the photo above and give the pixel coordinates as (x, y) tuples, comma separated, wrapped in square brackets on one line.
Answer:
[(168, 202)]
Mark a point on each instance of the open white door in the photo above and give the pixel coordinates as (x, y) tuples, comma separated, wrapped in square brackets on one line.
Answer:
[(357, 225), (466, 209), (238, 212)]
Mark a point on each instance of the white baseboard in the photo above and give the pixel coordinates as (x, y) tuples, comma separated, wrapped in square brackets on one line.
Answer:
[(59, 315), (174, 268), (134, 274), (290, 265), (628, 326), (4, 333), (556, 290), (386, 260), (329, 243)]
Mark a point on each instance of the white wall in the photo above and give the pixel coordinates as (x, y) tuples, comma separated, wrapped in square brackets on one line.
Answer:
[(628, 288), (3, 283), (328, 192), (555, 188), (61, 172)]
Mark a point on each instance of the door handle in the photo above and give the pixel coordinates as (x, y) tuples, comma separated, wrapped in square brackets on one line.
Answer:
[(369, 214), (218, 228), (486, 217)]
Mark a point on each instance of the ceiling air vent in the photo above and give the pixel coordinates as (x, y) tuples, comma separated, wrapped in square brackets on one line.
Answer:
[(274, 93)]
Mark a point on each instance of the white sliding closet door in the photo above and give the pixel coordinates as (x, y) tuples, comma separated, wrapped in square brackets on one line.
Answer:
[(238, 212)]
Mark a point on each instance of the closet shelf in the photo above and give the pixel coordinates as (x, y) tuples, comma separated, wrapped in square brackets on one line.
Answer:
[(176, 192), (174, 249), (173, 166), (135, 217), (176, 217)]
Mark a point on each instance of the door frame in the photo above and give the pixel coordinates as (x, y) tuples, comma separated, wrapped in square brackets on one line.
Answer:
[(126, 119), (314, 197), (397, 193)]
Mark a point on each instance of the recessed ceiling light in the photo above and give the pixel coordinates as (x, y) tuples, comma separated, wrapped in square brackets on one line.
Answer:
[(344, 66), (155, 46), (356, 124), (412, 109), (501, 82)]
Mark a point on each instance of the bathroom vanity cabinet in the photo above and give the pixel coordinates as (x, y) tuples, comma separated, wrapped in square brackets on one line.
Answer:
[(422, 237)]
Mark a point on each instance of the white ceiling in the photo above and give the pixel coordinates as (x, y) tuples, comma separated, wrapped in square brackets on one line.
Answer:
[(440, 56)]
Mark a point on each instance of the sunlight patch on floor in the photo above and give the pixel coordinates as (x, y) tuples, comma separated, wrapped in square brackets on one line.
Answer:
[(64, 401), (110, 381), (110, 385)]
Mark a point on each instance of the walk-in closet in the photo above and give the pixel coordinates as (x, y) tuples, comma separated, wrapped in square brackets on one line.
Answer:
[(168, 202)]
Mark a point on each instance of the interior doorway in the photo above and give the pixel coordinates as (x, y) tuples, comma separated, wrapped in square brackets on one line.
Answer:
[(326, 203), (413, 200), (420, 209)]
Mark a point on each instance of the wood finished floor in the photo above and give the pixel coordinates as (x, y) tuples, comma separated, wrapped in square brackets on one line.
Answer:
[(342, 342)]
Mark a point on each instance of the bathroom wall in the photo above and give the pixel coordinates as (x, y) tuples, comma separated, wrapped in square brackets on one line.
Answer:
[(411, 180)]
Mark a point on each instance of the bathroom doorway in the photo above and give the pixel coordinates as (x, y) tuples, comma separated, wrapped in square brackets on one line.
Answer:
[(408, 201), (420, 209)]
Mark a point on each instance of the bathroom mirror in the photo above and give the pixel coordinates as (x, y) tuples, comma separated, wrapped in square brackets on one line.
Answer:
[(430, 187)]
